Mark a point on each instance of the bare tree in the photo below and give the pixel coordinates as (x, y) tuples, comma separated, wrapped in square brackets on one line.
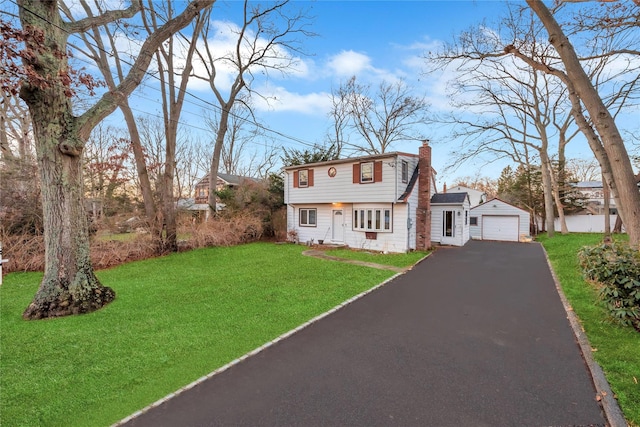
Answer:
[(603, 135), (16, 137), (174, 78), (106, 162), (265, 42), (240, 138), (69, 284), (512, 110), (101, 44), (584, 169), (390, 115), (525, 45)]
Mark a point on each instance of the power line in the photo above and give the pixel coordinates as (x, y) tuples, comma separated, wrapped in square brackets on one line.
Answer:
[(196, 97)]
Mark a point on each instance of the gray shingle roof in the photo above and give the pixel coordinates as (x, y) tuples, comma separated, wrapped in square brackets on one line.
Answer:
[(448, 198)]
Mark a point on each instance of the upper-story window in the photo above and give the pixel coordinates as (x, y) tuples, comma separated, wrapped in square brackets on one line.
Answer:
[(405, 171), (366, 172), (303, 178)]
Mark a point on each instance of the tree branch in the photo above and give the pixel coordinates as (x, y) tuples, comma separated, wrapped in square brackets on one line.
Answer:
[(104, 18)]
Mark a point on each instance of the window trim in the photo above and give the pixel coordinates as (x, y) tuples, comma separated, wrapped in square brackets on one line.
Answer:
[(373, 219), (473, 220), (300, 182), (362, 165), (308, 217), (405, 172)]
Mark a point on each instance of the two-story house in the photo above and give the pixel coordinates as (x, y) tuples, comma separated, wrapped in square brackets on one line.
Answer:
[(224, 181), (379, 202)]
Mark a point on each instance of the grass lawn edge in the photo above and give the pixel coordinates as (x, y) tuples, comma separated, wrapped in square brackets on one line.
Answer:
[(264, 346), (612, 410)]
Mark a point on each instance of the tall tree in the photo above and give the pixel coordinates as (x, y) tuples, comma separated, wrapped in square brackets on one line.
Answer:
[(264, 42), (602, 133), (101, 44), (69, 285), (174, 79), (380, 119)]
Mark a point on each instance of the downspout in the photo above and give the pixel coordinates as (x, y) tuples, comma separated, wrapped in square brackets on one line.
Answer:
[(408, 227)]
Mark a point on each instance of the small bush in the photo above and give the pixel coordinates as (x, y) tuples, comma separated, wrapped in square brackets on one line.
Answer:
[(223, 231), (616, 269)]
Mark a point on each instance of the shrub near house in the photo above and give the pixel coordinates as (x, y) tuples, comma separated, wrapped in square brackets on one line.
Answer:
[(615, 268)]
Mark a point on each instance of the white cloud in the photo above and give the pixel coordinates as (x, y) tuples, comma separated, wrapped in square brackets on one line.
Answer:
[(349, 63), (279, 99)]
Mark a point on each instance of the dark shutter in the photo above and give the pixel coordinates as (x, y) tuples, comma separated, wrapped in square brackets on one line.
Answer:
[(296, 179), (310, 175), (356, 173), (377, 171)]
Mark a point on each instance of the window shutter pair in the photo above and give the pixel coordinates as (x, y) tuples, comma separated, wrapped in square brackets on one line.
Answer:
[(377, 172), (296, 178)]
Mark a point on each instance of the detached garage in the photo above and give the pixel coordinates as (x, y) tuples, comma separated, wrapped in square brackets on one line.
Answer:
[(498, 220)]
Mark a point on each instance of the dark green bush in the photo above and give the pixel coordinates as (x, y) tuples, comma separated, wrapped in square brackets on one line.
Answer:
[(616, 268)]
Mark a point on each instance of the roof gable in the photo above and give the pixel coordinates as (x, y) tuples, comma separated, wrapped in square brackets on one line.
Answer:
[(494, 200)]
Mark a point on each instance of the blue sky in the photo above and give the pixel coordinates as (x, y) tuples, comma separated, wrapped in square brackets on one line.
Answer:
[(375, 41)]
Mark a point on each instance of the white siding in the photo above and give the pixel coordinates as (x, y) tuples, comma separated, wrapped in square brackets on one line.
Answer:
[(341, 189), (497, 207), (395, 241), (461, 232), (339, 192)]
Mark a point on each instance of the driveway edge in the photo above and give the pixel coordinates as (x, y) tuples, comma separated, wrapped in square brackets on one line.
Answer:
[(612, 411), (261, 348)]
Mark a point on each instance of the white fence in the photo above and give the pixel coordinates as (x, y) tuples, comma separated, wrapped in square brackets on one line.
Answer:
[(586, 223)]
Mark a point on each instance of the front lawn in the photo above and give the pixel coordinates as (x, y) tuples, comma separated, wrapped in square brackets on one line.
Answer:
[(396, 260), (616, 349), (174, 320)]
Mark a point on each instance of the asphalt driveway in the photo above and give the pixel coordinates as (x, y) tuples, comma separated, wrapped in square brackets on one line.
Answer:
[(472, 336)]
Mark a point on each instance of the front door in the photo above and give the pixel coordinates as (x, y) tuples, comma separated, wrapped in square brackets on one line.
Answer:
[(337, 226), (448, 227)]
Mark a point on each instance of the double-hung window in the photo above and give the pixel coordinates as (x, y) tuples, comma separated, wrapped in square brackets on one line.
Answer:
[(308, 217), (366, 172), (303, 178), (405, 171)]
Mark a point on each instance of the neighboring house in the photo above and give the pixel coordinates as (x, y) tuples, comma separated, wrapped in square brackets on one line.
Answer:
[(379, 202), (200, 203), (450, 218), (476, 197), (224, 181), (594, 198), (499, 220)]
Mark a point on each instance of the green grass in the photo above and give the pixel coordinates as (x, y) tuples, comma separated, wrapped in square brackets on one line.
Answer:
[(397, 260), (618, 348), (174, 320)]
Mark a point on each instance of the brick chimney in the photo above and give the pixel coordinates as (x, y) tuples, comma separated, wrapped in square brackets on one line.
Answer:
[(423, 214), (444, 189)]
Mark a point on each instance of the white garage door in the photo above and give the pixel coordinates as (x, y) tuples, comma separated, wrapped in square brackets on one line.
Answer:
[(496, 227)]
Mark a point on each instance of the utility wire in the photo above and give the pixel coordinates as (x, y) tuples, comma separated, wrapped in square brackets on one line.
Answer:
[(205, 102)]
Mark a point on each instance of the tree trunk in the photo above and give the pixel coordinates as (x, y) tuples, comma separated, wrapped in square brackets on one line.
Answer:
[(154, 221), (547, 187), (215, 160), (69, 285), (607, 215), (624, 185)]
